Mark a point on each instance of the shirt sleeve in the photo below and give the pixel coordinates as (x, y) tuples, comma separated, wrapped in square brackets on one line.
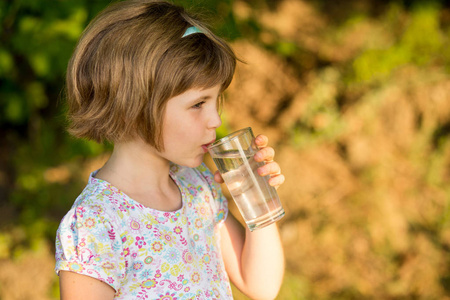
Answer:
[(87, 243), (219, 204)]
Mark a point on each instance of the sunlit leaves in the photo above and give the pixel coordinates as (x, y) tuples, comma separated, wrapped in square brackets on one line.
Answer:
[(421, 42)]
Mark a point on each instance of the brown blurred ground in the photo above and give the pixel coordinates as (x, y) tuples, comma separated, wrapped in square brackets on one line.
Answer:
[(368, 204)]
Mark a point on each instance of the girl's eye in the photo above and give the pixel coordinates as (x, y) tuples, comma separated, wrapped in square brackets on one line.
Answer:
[(198, 105)]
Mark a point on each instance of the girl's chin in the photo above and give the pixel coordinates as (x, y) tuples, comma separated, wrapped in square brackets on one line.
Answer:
[(194, 163)]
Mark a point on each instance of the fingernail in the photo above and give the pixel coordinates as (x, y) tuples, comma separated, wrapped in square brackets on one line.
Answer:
[(261, 172)]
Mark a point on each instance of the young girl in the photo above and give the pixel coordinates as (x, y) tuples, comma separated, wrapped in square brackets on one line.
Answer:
[(152, 223)]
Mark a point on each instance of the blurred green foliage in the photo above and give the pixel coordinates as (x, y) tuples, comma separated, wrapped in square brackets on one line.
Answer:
[(421, 42), (36, 41), (410, 33), (41, 166)]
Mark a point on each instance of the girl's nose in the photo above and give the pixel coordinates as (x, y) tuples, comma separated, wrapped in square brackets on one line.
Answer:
[(214, 120)]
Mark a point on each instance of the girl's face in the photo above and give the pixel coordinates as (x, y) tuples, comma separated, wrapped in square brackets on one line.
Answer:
[(190, 124)]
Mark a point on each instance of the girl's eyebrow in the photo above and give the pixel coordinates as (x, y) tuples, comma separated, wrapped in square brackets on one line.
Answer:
[(201, 98)]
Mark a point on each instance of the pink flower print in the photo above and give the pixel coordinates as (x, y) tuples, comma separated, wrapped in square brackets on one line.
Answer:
[(125, 252), (80, 211), (157, 246), (187, 257), (107, 192), (178, 230), (97, 209), (168, 238), (195, 277), (140, 242), (206, 258), (203, 210), (200, 188), (180, 278), (110, 280), (108, 265), (198, 223), (158, 274), (89, 223), (149, 284), (137, 266), (75, 267), (167, 296), (149, 226), (192, 190)]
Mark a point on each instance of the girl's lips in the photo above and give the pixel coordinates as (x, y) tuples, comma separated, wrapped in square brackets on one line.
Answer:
[(205, 146)]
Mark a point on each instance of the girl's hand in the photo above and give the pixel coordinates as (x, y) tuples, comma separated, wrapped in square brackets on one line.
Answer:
[(271, 168)]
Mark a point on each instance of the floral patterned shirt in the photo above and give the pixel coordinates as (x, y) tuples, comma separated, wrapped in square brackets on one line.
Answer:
[(143, 253)]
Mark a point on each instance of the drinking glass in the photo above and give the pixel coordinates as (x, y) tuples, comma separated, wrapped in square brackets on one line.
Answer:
[(257, 201)]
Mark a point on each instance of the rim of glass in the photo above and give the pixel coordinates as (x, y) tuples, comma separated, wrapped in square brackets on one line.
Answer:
[(230, 137)]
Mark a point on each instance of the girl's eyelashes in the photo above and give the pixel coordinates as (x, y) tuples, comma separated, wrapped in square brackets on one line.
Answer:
[(198, 105)]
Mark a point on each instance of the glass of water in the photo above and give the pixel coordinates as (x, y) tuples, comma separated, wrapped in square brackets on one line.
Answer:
[(257, 201)]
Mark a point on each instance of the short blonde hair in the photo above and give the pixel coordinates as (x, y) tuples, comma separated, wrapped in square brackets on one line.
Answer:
[(130, 60)]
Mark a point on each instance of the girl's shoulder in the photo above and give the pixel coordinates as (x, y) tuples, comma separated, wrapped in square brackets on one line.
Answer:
[(98, 192), (101, 199)]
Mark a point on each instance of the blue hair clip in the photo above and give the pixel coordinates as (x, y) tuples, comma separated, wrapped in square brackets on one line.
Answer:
[(191, 30)]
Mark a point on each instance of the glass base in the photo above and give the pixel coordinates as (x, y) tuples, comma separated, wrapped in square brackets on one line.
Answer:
[(265, 220)]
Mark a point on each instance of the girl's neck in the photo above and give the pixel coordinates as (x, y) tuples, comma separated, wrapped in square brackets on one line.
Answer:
[(136, 160), (142, 173)]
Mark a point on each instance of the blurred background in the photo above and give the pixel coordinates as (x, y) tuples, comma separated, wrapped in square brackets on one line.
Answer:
[(354, 96)]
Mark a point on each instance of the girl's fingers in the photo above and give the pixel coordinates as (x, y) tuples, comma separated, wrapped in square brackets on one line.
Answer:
[(270, 168), (277, 180), (261, 141), (265, 154)]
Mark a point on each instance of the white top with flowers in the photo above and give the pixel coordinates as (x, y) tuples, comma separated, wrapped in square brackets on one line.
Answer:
[(143, 253)]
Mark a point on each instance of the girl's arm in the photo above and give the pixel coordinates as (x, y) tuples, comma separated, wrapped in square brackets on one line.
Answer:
[(75, 286), (255, 260)]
